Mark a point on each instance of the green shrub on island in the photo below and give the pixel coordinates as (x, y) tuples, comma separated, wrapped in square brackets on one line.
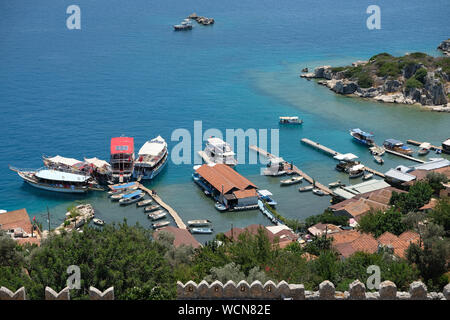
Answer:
[(413, 83)]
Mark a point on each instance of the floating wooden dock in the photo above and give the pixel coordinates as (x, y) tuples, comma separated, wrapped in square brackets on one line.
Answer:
[(417, 143), (180, 224), (333, 153), (287, 167), (404, 156)]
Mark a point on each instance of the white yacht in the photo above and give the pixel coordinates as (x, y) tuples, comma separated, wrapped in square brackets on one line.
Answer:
[(151, 159), (218, 151)]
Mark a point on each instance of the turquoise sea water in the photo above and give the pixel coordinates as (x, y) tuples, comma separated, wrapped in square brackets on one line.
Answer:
[(126, 72)]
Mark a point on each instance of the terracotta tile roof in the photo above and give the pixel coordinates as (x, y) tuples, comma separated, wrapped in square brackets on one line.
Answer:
[(234, 233), (400, 243), (19, 219), (182, 236), (430, 205), (222, 175), (387, 238), (409, 236), (240, 194), (366, 243), (319, 229), (344, 236)]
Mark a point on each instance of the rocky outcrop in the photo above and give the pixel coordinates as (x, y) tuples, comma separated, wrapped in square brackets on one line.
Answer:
[(201, 20), (445, 47), (76, 218)]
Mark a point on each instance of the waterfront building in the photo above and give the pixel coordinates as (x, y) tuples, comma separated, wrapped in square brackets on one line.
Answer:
[(18, 226)]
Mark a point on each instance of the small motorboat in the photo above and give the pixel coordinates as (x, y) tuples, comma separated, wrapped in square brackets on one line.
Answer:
[(161, 224), (307, 188), (424, 148), (207, 193), (151, 208), (335, 184), (318, 192), (292, 180), (377, 150), (98, 222), (131, 198), (378, 159), (356, 171), (201, 230), (220, 206), (156, 215), (368, 176), (265, 196), (186, 24), (144, 202), (199, 223)]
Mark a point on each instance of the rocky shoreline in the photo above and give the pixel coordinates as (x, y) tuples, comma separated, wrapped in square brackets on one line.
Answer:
[(412, 79), (445, 47)]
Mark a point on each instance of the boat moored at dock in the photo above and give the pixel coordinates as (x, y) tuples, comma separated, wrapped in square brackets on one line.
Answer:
[(144, 202), (122, 187), (397, 146), (156, 215), (201, 230), (161, 224), (446, 146), (356, 171), (290, 181), (424, 148), (56, 180), (362, 137), (218, 151), (122, 159), (132, 197), (151, 208), (199, 223), (266, 196), (306, 188), (152, 158)]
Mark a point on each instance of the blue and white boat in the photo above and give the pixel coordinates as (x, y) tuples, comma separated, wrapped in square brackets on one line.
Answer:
[(132, 197), (152, 158), (265, 195), (201, 230), (362, 137)]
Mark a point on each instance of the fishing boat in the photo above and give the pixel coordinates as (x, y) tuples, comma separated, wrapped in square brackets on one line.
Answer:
[(98, 222), (265, 195), (346, 161), (201, 230), (307, 188), (186, 24), (368, 176), (132, 197), (66, 164), (220, 206), (335, 184), (152, 158), (275, 167), (356, 171), (446, 146), (55, 180), (362, 137), (424, 148), (122, 159), (292, 180), (318, 192), (199, 223), (160, 214), (161, 224), (290, 120), (378, 159), (151, 208), (144, 202), (397, 146), (218, 151)]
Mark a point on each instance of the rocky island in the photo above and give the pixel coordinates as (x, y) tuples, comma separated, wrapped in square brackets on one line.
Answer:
[(415, 78)]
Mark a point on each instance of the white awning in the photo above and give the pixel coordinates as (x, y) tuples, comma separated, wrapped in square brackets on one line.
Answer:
[(153, 147), (346, 157), (97, 162), (357, 167), (425, 145), (264, 193), (62, 160), (55, 175), (446, 142)]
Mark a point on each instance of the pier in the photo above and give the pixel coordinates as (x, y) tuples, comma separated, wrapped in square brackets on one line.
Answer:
[(287, 167), (404, 156), (333, 153), (417, 143), (180, 224)]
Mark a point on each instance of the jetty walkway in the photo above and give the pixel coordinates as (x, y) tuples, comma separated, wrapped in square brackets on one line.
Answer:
[(180, 224), (417, 143), (287, 168), (333, 153)]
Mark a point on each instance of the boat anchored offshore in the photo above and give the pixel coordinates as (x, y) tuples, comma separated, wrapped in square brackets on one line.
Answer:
[(218, 151), (362, 137), (292, 180), (55, 180), (201, 230), (186, 24), (199, 223), (397, 146), (160, 214), (132, 197), (378, 159), (152, 158), (290, 120)]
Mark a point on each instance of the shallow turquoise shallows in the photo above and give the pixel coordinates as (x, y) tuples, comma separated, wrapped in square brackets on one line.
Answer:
[(127, 72)]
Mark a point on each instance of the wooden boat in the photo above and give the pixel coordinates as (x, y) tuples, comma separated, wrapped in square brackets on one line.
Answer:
[(378, 159), (307, 188), (356, 171), (368, 176), (318, 192), (199, 223), (362, 137), (290, 120), (131, 198), (290, 181), (220, 206), (397, 146), (144, 202), (424, 149), (98, 222), (161, 224), (151, 208), (335, 184), (156, 215), (201, 230)]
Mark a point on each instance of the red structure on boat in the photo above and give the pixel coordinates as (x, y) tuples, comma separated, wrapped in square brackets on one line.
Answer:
[(122, 158)]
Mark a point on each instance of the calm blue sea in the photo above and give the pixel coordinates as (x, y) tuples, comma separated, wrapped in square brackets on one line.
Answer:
[(68, 92)]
